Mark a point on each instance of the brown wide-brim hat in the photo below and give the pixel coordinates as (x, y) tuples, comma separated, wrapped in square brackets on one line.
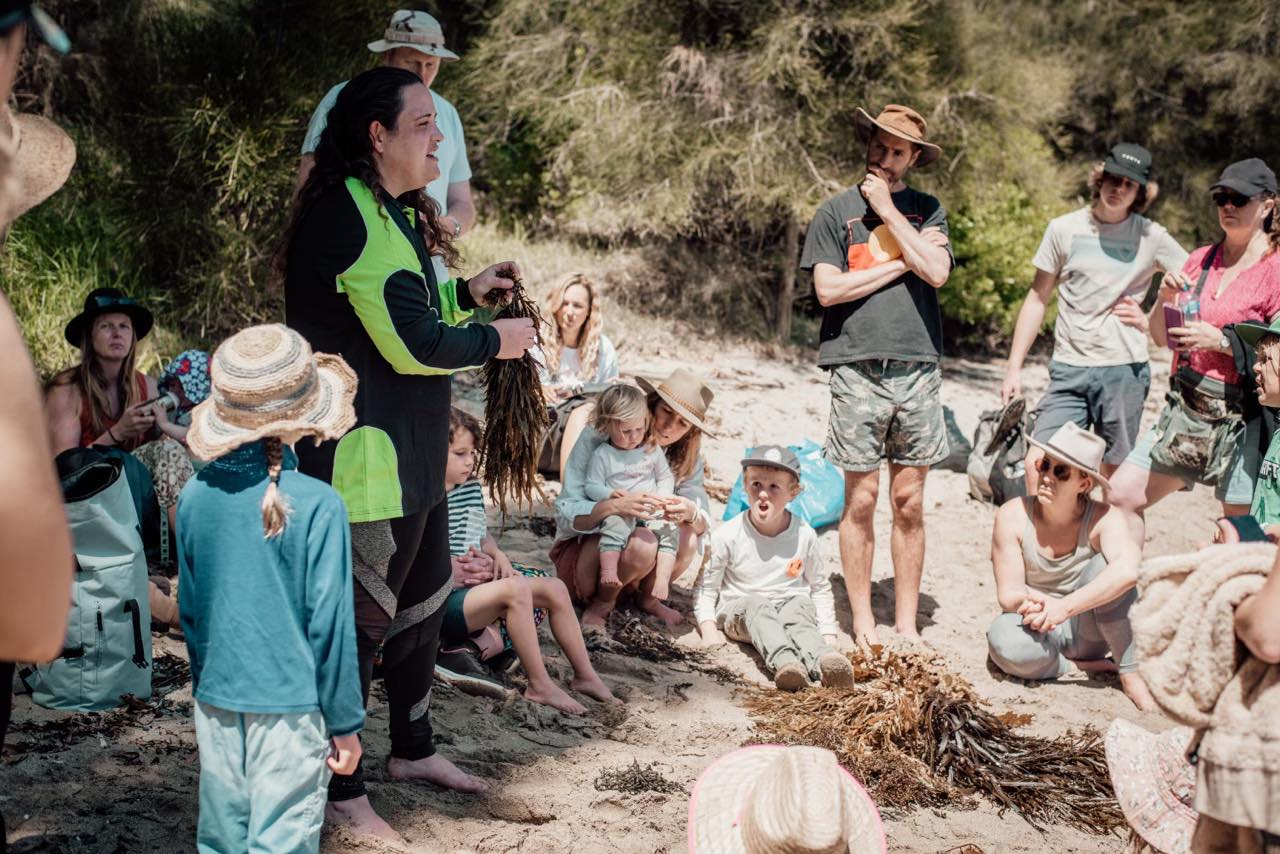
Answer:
[(902, 122), (42, 157), (1078, 448), (687, 395), (267, 382)]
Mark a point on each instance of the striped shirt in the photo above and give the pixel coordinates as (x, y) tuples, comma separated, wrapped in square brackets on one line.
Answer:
[(466, 517)]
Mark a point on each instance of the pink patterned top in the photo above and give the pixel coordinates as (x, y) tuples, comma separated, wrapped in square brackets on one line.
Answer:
[(1254, 295)]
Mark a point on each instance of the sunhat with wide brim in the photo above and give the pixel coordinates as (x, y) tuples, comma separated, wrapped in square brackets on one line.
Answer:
[(416, 31), (684, 393), (1154, 782), (102, 301), (902, 122), (768, 798), (41, 159), (267, 382), (1078, 448)]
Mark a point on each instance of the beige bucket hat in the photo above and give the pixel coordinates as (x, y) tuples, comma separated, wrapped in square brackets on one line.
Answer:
[(1076, 447), (40, 155), (685, 393), (769, 798), (267, 382), (417, 31), (902, 122), (1155, 783)]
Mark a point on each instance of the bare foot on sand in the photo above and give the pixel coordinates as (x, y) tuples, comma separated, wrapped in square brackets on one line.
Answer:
[(436, 769), (670, 616), (357, 816), (554, 696), (1135, 688), (866, 639), (596, 616), (595, 689)]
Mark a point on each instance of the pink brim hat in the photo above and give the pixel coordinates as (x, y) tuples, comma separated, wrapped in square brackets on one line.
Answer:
[(1154, 783)]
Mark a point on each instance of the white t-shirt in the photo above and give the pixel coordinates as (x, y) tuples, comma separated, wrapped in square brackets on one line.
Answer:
[(746, 563), (451, 153), (569, 371), (1097, 263)]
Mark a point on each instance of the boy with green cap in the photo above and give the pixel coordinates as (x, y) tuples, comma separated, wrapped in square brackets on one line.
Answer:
[(765, 583), (1265, 341)]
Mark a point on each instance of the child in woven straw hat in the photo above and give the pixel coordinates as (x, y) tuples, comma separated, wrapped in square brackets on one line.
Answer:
[(631, 463), (268, 618), (513, 594)]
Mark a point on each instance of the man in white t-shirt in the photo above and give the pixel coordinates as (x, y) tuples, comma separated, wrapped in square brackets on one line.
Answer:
[(414, 41), (1100, 259)]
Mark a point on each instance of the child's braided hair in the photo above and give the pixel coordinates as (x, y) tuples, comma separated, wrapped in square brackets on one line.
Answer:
[(275, 507)]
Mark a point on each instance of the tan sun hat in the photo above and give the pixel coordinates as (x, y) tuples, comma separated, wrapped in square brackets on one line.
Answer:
[(686, 394), (1155, 783), (41, 156), (267, 382), (770, 798), (902, 122), (417, 31), (1076, 447)]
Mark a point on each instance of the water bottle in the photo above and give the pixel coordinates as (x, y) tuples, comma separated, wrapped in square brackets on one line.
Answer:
[(1191, 310)]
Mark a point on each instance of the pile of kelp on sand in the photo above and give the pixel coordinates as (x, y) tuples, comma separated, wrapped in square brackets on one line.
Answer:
[(918, 735)]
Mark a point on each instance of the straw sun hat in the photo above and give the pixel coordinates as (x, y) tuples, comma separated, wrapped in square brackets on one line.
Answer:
[(42, 156), (769, 798), (267, 382), (687, 395)]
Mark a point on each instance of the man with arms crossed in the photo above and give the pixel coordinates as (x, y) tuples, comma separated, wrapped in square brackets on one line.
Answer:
[(879, 252)]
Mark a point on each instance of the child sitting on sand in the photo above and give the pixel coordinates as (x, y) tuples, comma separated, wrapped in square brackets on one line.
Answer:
[(630, 462), (264, 565), (511, 596), (765, 583)]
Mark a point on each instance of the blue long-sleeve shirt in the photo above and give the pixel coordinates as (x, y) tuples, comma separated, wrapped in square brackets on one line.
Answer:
[(270, 624)]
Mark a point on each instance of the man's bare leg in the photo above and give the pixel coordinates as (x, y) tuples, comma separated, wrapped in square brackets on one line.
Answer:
[(858, 548), (906, 492)]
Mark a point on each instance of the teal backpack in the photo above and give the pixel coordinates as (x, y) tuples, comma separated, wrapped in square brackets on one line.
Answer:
[(107, 652)]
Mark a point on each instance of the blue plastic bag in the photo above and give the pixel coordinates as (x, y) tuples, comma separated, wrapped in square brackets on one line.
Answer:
[(821, 502)]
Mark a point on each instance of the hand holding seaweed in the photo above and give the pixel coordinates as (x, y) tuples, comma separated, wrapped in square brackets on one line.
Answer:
[(514, 412)]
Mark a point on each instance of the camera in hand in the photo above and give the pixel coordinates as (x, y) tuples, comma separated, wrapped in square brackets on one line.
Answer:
[(168, 401)]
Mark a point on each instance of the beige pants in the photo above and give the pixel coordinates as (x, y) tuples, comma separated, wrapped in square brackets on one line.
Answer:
[(1218, 837)]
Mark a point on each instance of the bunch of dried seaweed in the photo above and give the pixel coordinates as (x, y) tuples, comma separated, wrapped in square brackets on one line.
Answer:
[(634, 778), (918, 735), (628, 635), (515, 412)]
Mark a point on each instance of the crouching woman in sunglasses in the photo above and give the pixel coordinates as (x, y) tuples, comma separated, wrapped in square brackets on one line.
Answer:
[(1211, 430), (1065, 568)]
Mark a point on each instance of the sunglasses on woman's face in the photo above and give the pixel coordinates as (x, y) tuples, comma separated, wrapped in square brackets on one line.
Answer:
[(107, 302), (1236, 200), (1061, 471)]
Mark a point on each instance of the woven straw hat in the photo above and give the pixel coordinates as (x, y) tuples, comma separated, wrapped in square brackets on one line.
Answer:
[(42, 157), (686, 394), (1154, 783), (770, 798), (267, 382), (416, 31)]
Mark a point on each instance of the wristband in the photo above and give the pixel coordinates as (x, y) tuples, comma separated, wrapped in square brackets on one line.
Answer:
[(113, 436)]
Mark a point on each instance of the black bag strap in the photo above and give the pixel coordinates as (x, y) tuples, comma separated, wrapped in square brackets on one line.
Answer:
[(139, 655), (1184, 358)]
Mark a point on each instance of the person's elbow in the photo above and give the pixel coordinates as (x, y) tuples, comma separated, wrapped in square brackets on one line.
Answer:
[(1267, 648), (937, 272), (1262, 637)]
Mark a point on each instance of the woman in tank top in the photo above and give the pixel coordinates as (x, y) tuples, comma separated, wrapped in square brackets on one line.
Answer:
[(1065, 569)]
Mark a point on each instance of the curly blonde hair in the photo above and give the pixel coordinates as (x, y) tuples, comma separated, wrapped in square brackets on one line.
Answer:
[(589, 341)]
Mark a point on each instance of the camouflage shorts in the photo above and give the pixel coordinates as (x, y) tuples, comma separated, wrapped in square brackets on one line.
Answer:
[(886, 409)]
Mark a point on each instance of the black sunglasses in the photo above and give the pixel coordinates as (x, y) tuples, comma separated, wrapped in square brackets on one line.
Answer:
[(106, 301), (1236, 200), (1061, 471)]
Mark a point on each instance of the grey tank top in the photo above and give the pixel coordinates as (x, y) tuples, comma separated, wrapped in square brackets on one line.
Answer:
[(1056, 576)]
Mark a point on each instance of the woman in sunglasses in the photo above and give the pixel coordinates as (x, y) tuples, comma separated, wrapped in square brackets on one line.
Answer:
[(1065, 568), (1211, 428)]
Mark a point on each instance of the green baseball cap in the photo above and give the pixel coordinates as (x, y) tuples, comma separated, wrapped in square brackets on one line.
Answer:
[(1129, 161), (1251, 333)]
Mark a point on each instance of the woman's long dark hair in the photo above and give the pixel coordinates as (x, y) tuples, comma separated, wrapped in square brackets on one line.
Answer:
[(345, 152)]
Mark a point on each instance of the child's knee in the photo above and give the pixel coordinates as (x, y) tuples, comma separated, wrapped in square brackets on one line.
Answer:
[(550, 591), (515, 591)]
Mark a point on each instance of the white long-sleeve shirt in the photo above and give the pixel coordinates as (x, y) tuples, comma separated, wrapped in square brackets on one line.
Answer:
[(745, 563)]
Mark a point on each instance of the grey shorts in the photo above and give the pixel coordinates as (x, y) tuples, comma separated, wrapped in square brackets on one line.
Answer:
[(1107, 400), (886, 409)]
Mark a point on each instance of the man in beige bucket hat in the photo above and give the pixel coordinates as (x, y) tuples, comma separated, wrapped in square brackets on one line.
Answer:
[(414, 41), (878, 253)]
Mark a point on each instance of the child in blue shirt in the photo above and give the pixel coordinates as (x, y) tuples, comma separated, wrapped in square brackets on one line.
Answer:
[(264, 563)]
